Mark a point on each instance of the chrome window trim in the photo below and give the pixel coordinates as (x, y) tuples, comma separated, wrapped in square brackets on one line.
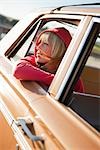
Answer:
[(63, 16)]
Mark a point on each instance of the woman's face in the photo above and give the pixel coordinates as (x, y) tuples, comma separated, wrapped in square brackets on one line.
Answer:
[(43, 49)]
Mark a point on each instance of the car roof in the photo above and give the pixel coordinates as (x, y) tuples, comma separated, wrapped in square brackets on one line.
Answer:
[(83, 9)]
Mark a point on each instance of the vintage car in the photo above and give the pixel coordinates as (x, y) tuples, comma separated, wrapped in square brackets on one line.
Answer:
[(58, 118)]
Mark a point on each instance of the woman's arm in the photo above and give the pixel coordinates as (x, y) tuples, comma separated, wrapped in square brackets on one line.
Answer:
[(25, 70), (79, 87), (30, 59)]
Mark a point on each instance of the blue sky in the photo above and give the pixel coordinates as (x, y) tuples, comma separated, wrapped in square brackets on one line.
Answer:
[(19, 8)]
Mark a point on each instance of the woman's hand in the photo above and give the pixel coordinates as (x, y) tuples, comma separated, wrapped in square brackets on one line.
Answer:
[(42, 57)]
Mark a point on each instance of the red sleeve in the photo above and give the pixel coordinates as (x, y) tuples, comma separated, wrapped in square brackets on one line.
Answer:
[(79, 87), (30, 59), (26, 71)]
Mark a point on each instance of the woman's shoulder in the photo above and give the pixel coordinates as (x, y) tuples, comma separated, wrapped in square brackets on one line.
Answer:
[(30, 58)]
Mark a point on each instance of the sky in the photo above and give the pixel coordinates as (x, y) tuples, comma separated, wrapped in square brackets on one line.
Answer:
[(19, 8)]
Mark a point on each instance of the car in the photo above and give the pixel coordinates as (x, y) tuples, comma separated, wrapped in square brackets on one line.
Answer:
[(55, 118)]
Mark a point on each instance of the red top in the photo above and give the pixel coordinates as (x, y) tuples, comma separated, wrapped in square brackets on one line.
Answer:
[(27, 69)]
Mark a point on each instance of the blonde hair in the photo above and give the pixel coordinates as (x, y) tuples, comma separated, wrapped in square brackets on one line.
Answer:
[(57, 45), (58, 49)]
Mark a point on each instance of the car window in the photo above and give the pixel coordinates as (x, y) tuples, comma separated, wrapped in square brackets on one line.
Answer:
[(52, 24), (27, 47), (26, 44), (91, 71)]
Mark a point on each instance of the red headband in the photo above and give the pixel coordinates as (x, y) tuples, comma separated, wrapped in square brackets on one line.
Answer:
[(60, 32)]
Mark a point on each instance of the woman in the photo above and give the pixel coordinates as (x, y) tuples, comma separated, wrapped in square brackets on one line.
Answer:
[(50, 48)]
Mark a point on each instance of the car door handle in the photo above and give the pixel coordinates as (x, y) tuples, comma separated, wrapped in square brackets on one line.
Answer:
[(21, 122)]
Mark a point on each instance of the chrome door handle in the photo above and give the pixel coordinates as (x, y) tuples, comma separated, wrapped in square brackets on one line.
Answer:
[(21, 122)]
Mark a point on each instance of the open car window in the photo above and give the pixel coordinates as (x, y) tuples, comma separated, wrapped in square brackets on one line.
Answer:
[(27, 43)]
